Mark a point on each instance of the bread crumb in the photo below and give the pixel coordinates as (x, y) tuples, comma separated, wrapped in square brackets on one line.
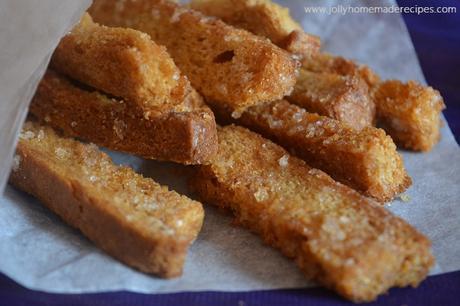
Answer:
[(73, 124)]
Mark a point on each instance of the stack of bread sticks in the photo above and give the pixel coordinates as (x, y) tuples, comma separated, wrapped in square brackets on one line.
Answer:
[(305, 153)]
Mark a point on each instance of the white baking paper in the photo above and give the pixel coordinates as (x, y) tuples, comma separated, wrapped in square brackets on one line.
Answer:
[(40, 252), (29, 31)]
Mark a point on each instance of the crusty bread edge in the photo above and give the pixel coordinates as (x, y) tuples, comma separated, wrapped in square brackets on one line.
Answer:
[(161, 255)]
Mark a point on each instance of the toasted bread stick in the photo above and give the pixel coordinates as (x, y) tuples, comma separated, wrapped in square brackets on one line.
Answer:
[(185, 135), (344, 98), (264, 18), (339, 238), (365, 160), (225, 64), (130, 217), (122, 62), (325, 62), (409, 113)]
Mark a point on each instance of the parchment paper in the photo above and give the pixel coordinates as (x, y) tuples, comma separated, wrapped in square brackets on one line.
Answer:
[(29, 31), (40, 252)]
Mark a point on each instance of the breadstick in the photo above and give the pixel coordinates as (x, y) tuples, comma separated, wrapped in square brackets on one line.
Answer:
[(132, 218), (409, 113), (121, 62), (365, 160), (325, 62), (224, 64), (344, 98), (337, 237), (264, 18), (185, 134)]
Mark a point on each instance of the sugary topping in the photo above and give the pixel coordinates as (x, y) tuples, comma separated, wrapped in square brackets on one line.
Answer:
[(16, 162), (261, 195), (334, 218), (61, 152), (27, 135), (138, 199), (283, 161)]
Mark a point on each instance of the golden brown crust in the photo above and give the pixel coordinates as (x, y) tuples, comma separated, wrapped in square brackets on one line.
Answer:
[(264, 18), (409, 113), (366, 160), (225, 64), (325, 62), (132, 218), (301, 44), (344, 98), (337, 237), (186, 135), (122, 62)]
